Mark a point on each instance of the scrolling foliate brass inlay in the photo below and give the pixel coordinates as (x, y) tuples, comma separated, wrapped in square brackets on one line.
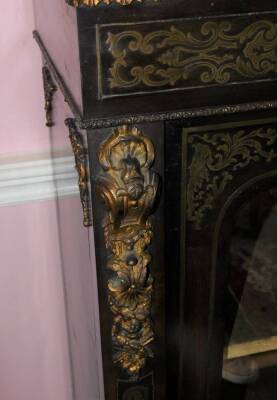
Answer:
[(214, 52), (216, 159), (129, 188), (81, 164)]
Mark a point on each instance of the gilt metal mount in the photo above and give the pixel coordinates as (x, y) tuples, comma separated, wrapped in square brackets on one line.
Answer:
[(129, 189), (49, 89), (93, 3), (81, 164)]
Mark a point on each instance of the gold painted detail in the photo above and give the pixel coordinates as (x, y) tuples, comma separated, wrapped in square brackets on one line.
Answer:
[(81, 164), (93, 3), (212, 54), (217, 157), (49, 89), (129, 189)]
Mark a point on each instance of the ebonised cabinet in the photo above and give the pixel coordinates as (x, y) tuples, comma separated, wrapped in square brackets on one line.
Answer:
[(172, 120)]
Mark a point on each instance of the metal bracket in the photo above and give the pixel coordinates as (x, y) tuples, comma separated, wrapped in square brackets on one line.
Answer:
[(49, 89), (81, 164)]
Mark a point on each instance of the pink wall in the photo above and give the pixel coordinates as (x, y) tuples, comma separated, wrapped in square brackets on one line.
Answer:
[(56, 36), (22, 125), (38, 242), (34, 353), (82, 301), (34, 361)]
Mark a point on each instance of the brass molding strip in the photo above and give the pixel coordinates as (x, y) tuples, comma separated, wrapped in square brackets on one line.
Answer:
[(96, 123), (81, 164), (129, 189), (94, 3)]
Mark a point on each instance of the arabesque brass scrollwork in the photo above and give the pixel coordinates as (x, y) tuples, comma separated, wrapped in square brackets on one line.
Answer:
[(129, 188), (213, 53), (216, 158)]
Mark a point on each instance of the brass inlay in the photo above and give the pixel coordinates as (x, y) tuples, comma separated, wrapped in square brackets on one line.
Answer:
[(93, 3), (49, 89), (81, 163), (129, 189), (213, 53), (216, 158)]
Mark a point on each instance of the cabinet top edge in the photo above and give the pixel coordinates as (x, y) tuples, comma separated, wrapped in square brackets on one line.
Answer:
[(95, 3)]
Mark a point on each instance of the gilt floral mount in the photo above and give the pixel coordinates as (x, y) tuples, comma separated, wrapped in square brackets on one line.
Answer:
[(129, 189)]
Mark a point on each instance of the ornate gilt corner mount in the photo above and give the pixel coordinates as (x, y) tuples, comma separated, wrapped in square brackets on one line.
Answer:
[(81, 161), (49, 89), (93, 3), (129, 188)]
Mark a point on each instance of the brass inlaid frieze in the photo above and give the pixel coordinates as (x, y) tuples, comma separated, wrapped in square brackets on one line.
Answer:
[(217, 157), (49, 89), (188, 53), (81, 164), (129, 188)]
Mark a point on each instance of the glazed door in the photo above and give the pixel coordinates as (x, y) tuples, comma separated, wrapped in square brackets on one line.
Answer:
[(250, 336), (226, 330)]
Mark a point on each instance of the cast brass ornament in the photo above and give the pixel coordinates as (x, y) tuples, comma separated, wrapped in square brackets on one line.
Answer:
[(81, 164), (129, 188), (217, 158), (49, 89), (215, 52), (93, 3)]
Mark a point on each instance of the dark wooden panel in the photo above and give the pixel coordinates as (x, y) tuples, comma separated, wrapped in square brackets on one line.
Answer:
[(221, 163), (174, 274), (211, 84), (184, 54)]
